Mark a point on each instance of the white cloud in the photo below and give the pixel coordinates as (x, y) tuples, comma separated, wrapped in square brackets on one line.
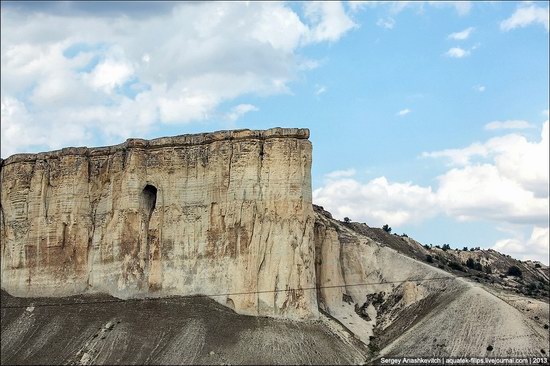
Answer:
[(109, 77), (320, 89), (328, 19), (479, 88), (457, 52), (503, 180), (536, 247), (109, 74), (508, 125), (462, 35), (386, 23), (461, 7), (240, 110), (341, 173), (459, 156), (377, 202), (526, 15), (515, 158), (483, 191), (403, 112), (395, 7), (356, 5), (545, 112)]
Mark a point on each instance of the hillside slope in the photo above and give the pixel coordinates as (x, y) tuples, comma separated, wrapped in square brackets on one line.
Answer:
[(98, 329), (401, 306)]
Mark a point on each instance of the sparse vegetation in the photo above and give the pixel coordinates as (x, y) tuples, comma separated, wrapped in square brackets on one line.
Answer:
[(427, 246), (429, 259), (537, 265), (465, 249), (470, 263), (514, 271), (456, 266), (347, 220), (446, 247), (386, 228), (532, 288)]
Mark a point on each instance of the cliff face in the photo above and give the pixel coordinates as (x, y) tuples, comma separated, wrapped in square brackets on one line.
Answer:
[(221, 213)]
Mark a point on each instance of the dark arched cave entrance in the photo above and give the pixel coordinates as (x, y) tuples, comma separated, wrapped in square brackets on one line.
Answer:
[(149, 199), (149, 232)]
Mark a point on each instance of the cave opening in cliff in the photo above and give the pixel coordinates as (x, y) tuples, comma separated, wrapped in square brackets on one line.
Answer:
[(149, 197)]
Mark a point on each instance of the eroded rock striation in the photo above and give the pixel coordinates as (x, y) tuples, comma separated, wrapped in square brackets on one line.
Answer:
[(226, 213)]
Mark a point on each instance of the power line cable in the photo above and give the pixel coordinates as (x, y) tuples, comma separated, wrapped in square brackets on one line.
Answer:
[(237, 293)]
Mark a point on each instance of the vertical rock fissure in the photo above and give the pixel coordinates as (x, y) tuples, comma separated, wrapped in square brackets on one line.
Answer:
[(147, 206)]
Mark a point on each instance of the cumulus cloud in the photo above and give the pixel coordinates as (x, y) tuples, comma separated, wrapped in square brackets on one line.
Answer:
[(479, 88), (461, 7), (110, 74), (516, 158), (377, 201), (328, 20), (508, 125), (526, 15), (503, 180), (403, 112), (240, 110), (462, 35), (457, 52), (485, 192), (535, 247)]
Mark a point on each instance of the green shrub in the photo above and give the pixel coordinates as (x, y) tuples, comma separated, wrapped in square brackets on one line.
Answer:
[(457, 266), (514, 271)]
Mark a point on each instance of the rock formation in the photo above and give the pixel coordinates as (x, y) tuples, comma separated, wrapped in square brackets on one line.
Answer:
[(226, 214), (402, 307), (229, 215)]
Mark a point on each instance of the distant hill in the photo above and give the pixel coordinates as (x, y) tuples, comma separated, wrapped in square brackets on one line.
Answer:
[(485, 265)]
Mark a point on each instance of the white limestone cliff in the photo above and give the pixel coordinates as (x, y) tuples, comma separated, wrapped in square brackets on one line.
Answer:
[(225, 213)]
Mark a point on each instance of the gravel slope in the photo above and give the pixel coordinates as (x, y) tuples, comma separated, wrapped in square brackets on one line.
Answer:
[(194, 330)]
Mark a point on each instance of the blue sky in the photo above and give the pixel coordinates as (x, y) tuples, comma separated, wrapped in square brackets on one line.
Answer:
[(431, 117)]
